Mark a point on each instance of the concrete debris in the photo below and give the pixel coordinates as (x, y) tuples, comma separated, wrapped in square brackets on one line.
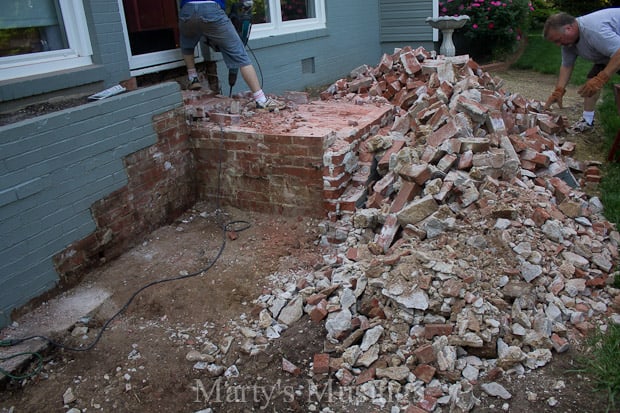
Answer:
[(68, 396), (474, 250), (496, 389)]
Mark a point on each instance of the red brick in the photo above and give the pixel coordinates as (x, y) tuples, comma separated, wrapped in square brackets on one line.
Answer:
[(385, 238), (382, 186), (225, 119), (562, 189), (321, 363), (439, 117), (407, 192), (418, 173), (447, 131), (491, 100), (375, 200), (410, 63), (540, 216), (598, 281), (537, 158), (432, 330), (466, 160), (425, 372), (352, 254), (425, 354), (433, 391), (415, 409), (352, 198), (314, 299), (446, 163), (428, 403), (290, 367), (560, 344), (396, 146), (319, 312), (346, 378), (366, 376)]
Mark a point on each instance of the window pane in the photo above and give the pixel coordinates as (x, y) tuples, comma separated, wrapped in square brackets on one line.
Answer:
[(31, 27), (297, 9), (260, 12)]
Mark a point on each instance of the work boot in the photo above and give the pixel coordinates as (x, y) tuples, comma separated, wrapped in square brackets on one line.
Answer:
[(194, 84), (270, 105), (581, 126)]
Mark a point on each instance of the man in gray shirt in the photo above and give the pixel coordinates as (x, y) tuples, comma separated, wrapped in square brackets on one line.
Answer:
[(594, 37)]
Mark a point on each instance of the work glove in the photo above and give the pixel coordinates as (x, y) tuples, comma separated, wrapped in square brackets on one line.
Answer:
[(593, 85), (556, 97)]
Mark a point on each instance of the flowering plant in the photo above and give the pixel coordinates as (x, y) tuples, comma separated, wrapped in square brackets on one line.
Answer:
[(495, 26)]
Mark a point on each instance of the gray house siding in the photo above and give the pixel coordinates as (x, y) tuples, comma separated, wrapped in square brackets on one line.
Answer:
[(52, 169), (403, 23), (107, 38), (319, 57)]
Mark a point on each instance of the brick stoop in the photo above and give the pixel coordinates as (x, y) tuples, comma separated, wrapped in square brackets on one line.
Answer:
[(297, 161)]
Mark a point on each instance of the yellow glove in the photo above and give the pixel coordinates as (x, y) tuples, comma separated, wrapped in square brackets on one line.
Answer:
[(556, 97), (593, 85)]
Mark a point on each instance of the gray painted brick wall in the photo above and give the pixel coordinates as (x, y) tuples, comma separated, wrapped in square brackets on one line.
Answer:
[(351, 39), (110, 60), (104, 21), (52, 168)]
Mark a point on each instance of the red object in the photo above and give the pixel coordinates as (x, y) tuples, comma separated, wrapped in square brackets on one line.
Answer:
[(146, 15)]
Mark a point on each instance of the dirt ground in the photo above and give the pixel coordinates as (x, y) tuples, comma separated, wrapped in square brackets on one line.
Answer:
[(141, 362)]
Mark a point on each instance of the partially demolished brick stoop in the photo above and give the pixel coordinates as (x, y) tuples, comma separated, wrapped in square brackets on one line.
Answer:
[(466, 250)]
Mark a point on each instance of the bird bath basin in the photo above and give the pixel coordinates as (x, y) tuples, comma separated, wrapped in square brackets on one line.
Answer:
[(447, 25)]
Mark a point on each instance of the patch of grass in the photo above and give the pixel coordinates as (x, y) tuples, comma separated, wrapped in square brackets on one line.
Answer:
[(601, 363), (544, 57)]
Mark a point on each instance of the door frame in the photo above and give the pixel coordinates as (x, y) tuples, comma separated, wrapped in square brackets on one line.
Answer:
[(155, 61)]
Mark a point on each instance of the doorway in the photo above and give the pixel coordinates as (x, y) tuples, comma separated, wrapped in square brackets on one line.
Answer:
[(152, 25), (151, 35)]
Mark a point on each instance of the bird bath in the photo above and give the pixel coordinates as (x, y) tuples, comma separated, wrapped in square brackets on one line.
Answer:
[(447, 25)]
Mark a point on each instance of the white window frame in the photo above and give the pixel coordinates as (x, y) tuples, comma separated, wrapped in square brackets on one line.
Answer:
[(78, 54), (278, 27)]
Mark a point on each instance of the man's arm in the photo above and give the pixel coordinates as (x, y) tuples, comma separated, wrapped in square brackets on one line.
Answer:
[(565, 74), (614, 64), (560, 87), (594, 85)]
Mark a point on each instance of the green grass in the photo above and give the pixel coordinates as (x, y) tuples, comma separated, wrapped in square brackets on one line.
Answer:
[(544, 57), (602, 360)]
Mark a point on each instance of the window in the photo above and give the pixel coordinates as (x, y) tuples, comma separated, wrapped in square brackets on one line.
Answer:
[(41, 36), (274, 17)]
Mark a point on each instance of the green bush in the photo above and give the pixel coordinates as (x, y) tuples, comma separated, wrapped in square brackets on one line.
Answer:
[(495, 26), (542, 10)]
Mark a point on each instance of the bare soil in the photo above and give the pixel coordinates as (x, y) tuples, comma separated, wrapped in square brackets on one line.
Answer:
[(140, 363)]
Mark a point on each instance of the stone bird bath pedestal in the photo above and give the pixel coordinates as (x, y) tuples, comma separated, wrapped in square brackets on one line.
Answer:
[(447, 25)]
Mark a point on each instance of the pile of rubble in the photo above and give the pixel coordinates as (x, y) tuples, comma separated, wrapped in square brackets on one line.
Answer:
[(474, 252)]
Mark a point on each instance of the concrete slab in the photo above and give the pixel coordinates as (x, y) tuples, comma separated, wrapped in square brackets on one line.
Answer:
[(54, 316)]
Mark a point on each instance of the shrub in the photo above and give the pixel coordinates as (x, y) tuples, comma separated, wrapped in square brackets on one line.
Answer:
[(495, 26), (542, 10)]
